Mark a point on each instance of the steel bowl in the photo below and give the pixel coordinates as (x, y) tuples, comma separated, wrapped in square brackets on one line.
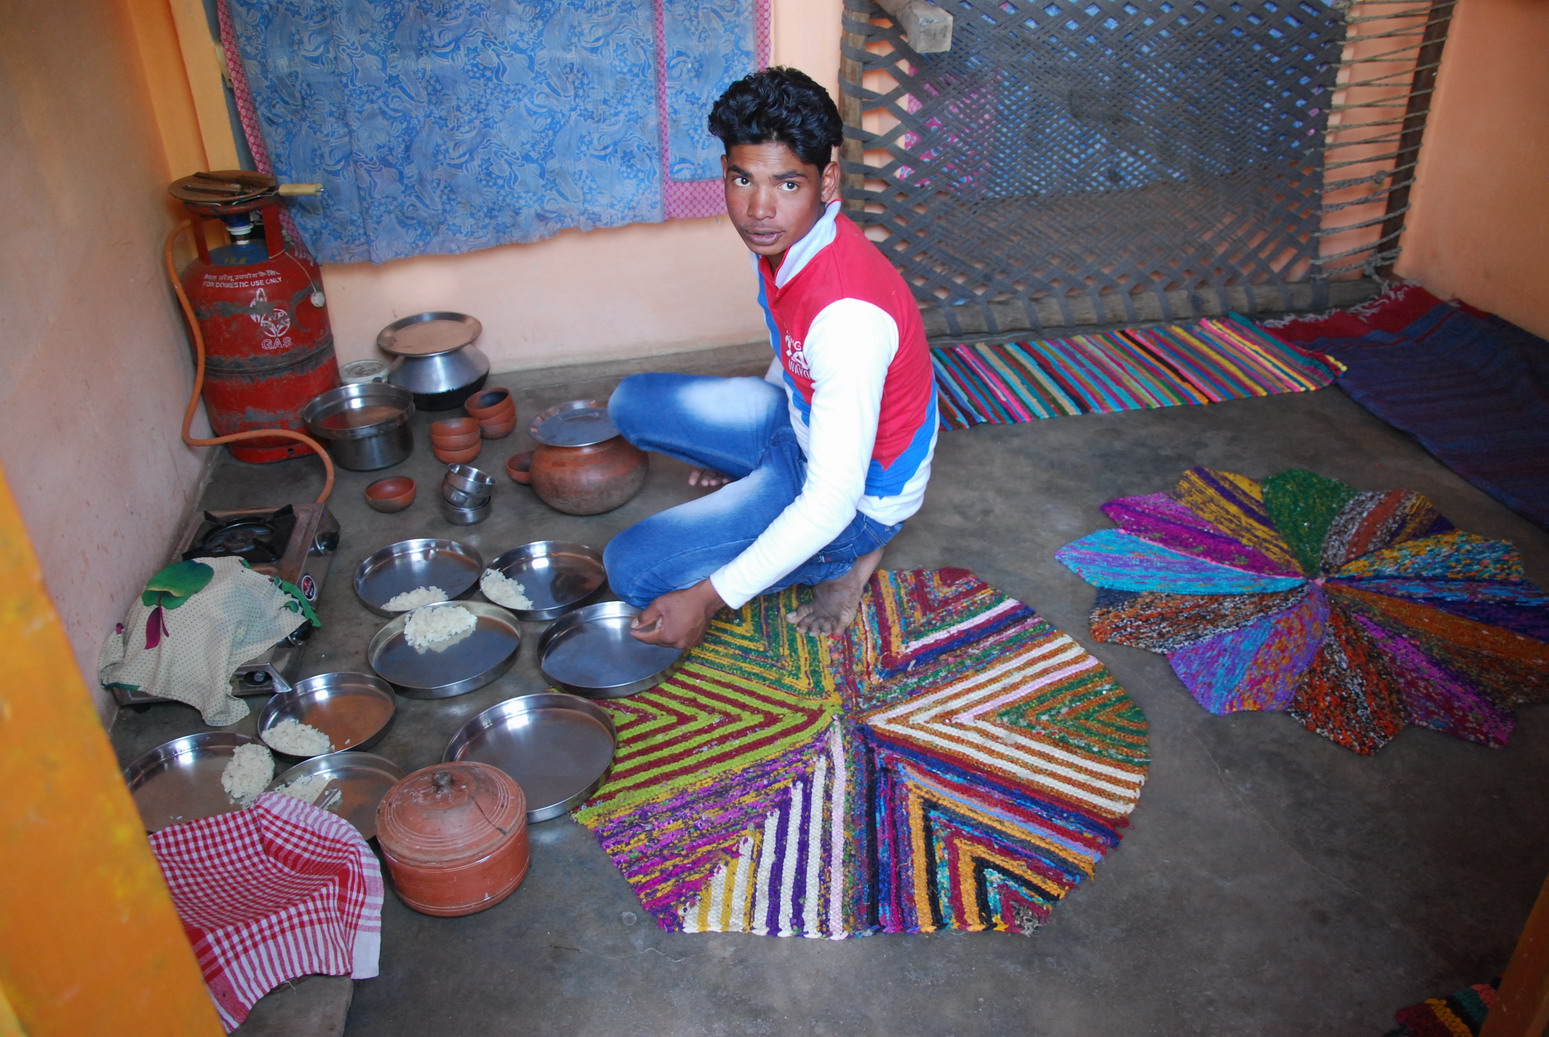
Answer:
[(364, 425), (459, 515), (467, 479), (591, 652), (353, 709)]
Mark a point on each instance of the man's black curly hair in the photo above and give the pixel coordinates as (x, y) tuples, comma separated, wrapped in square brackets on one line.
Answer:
[(779, 105)]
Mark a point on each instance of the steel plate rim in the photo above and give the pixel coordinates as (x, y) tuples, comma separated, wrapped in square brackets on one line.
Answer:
[(482, 609), (501, 561), (568, 624), (534, 427), (358, 762), (507, 709), (404, 548), (306, 686), (140, 771)]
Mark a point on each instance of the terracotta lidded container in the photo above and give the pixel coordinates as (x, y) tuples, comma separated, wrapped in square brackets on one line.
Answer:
[(454, 836)]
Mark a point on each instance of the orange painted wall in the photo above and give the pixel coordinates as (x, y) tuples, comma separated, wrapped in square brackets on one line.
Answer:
[(1479, 229), (89, 940)]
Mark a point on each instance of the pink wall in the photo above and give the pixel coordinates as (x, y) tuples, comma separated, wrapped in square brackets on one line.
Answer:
[(628, 291), (96, 369), (1480, 223)]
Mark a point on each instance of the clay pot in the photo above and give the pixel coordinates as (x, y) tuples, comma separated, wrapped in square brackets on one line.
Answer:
[(581, 480), (389, 495), (454, 836), (453, 428), (491, 405)]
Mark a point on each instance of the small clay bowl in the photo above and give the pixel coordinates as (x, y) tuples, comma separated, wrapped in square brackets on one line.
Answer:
[(491, 405), (456, 442), (453, 427), (391, 494), (459, 456), (518, 467), (497, 430)]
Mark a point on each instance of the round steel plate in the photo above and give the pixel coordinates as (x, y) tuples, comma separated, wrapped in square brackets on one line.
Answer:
[(555, 576), (352, 709), (398, 568), (591, 652), (180, 780), (558, 748), (356, 784), (463, 665)]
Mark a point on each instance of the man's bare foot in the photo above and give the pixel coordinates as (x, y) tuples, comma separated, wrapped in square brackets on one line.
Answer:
[(835, 602)]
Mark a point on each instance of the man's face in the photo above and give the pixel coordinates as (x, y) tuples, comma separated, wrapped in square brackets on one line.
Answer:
[(772, 197)]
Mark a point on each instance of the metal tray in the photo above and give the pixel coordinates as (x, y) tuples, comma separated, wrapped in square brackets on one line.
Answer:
[(180, 780), (429, 334), (576, 423), (556, 576), (558, 748), (591, 652), (353, 709), (361, 780), (479, 657), (383, 575)]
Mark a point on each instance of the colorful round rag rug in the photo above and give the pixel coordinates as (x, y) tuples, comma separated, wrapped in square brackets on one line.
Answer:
[(1355, 612), (952, 763)]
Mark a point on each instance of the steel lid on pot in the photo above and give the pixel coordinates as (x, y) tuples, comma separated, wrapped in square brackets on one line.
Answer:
[(428, 334), (575, 423)]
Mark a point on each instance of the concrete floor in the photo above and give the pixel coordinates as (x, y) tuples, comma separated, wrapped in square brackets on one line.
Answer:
[(1270, 883)]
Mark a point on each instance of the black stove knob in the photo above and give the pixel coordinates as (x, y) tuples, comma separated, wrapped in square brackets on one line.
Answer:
[(326, 541), (300, 634)]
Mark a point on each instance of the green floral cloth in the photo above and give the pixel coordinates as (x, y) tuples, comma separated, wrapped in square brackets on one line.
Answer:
[(195, 623)]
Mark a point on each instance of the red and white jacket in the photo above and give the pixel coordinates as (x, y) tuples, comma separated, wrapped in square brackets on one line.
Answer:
[(850, 353)]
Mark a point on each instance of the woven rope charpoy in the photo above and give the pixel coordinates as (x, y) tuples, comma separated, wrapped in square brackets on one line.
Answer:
[(953, 762)]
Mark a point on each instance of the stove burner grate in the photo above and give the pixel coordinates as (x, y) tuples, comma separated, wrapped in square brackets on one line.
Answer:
[(258, 539)]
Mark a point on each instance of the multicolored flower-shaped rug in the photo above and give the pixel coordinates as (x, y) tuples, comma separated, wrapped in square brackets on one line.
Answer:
[(1355, 612), (953, 762)]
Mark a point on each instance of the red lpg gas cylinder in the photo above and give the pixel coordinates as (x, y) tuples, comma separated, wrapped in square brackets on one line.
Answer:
[(267, 341)]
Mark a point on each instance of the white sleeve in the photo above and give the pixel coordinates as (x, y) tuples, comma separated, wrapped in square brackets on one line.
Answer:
[(849, 347)]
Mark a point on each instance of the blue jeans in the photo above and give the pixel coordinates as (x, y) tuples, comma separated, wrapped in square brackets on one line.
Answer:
[(737, 426)]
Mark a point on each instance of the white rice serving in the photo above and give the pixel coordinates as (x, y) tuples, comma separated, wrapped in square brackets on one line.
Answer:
[(248, 773), (435, 627), (306, 789), (415, 598), (294, 738), (502, 590)]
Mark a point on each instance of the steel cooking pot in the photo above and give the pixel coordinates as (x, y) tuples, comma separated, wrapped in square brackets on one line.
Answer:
[(436, 358), (364, 425)]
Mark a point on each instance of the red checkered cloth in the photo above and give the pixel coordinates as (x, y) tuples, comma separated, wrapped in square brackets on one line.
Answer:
[(267, 894)]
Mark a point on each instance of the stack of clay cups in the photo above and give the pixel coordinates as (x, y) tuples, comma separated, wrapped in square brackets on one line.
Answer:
[(494, 410), (455, 440), (465, 494)]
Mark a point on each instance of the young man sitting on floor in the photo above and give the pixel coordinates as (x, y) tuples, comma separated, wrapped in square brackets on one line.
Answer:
[(817, 464)]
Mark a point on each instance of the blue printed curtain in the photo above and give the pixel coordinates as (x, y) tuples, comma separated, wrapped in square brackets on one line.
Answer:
[(439, 128)]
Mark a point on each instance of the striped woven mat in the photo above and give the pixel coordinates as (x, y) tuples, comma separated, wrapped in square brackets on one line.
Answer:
[(952, 763), (1121, 370)]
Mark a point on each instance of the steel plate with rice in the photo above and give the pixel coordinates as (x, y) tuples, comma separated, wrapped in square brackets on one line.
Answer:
[(410, 564), (461, 665), (353, 709), (347, 784), (558, 747), (591, 652), (555, 576), (180, 780)]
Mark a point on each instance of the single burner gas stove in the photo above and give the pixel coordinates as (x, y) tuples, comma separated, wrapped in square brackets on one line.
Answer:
[(294, 543)]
